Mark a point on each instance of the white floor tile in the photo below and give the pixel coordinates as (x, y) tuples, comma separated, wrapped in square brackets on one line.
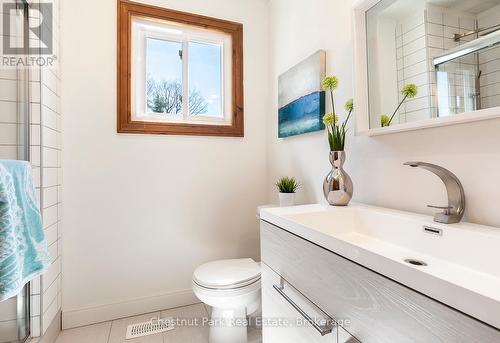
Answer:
[(208, 308), (98, 333), (193, 328), (119, 329), (254, 335), (194, 331)]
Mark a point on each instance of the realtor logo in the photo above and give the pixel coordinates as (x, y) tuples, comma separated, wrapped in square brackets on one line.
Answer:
[(36, 36)]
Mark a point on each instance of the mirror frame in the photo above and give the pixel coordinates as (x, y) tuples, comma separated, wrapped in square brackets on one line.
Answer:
[(361, 87)]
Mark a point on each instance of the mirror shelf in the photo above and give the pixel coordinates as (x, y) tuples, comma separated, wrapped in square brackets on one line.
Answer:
[(462, 118), (447, 85)]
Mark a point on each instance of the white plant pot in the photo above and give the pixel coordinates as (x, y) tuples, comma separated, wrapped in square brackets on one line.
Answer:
[(287, 199)]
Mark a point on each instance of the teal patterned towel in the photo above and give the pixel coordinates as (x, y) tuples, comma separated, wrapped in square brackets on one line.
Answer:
[(23, 249)]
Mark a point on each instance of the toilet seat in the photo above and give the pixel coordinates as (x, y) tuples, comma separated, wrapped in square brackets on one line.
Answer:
[(232, 289), (227, 274), (229, 298)]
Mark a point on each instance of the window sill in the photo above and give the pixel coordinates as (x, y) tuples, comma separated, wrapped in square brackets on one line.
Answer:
[(187, 129)]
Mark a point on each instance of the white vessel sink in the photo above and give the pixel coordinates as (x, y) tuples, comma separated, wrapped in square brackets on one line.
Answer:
[(462, 261)]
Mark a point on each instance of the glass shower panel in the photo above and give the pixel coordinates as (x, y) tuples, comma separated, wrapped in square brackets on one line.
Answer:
[(469, 83), (15, 144), (457, 86)]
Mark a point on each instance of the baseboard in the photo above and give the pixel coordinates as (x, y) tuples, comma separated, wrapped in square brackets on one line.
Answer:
[(53, 330), (104, 313)]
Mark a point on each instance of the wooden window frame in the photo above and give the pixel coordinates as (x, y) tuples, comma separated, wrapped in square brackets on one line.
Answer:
[(126, 11)]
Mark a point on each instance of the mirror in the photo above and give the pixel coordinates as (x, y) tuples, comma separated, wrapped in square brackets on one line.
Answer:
[(448, 49)]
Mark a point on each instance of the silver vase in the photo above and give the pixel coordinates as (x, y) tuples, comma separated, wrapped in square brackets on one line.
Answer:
[(337, 186)]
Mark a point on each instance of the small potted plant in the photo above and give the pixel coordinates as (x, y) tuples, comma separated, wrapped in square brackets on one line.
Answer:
[(408, 92), (287, 187)]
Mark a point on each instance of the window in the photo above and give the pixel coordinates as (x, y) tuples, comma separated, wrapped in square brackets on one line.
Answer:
[(178, 73)]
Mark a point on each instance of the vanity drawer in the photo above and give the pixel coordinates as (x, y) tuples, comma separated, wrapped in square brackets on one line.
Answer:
[(282, 321), (375, 308), (345, 337)]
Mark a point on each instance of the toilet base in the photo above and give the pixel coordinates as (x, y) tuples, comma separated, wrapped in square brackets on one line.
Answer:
[(228, 326)]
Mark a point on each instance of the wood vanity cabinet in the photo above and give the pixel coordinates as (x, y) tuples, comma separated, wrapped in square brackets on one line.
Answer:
[(370, 307)]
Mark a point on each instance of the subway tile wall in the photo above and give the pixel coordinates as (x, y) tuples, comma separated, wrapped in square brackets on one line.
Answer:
[(426, 35), (489, 64), (12, 139), (413, 66), (51, 179), (461, 75), (45, 157), (456, 78)]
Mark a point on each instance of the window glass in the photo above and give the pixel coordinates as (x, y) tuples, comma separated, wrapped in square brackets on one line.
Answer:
[(164, 77), (205, 80)]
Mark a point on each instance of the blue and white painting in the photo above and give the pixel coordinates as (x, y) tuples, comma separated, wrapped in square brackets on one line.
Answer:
[(301, 100)]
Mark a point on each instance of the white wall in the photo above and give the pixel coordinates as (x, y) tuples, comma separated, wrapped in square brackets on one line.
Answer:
[(142, 211), (472, 151)]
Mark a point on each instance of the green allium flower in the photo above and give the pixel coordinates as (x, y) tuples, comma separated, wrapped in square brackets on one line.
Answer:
[(349, 105), (330, 83), (330, 119), (410, 90), (385, 120)]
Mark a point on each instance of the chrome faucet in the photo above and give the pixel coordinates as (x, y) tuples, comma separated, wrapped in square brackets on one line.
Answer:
[(454, 212)]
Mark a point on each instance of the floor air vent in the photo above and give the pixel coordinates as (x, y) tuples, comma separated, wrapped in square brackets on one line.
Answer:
[(149, 328)]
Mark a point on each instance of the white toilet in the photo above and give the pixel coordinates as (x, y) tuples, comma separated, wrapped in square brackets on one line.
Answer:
[(232, 289)]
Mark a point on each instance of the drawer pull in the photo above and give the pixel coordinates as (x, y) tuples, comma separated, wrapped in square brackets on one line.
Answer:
[(322, 329)]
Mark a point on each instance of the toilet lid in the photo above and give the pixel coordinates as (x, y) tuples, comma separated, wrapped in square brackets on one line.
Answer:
[(227, 273)]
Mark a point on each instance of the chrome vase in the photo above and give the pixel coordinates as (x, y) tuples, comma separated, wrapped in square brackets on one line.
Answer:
[(337, 186)]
